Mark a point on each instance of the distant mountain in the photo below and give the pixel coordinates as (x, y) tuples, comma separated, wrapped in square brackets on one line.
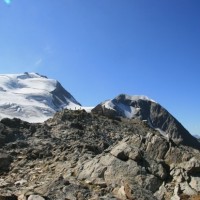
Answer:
[(197, 136), (32, 97), (148, 110), (35, 98), (129, 147)]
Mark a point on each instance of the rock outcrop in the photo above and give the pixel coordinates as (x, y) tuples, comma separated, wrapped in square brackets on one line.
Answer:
[(78, 155)]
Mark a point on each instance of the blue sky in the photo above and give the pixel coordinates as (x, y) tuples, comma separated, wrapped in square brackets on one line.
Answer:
[(98, 49)]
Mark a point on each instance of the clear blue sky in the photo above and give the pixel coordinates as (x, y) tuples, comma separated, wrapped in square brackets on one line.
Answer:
[(100, 48)]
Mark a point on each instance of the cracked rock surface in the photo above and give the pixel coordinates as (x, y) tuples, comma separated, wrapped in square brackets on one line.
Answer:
[(78, 155)]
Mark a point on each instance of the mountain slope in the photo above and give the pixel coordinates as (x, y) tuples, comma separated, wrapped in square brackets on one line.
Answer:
[(32, 97), (78, 155), (35, 98), (154, 114)]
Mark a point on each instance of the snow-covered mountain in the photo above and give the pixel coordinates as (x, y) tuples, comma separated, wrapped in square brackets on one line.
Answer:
[(148, 110), (32, 97), (123, 105), (35, 98)]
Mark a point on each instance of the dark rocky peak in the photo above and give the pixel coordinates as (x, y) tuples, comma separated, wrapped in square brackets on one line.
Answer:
[(143, 108), (62, 98)]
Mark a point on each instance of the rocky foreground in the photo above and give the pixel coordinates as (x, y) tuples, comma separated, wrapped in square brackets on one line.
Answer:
[(78, 155)]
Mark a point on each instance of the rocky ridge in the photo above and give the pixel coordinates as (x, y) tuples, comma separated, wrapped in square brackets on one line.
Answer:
[(143, 108), (35, 98), (80, 155)]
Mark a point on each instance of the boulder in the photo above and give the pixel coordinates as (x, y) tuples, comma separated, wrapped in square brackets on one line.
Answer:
[(123, 151)]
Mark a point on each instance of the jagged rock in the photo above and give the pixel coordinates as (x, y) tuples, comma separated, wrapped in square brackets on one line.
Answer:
[(195, 183), (186, 189), (176, 193), (123, 151), (156, 169), (135, 192), (107, 158), (157, 146), (160, 194), (118, 170)]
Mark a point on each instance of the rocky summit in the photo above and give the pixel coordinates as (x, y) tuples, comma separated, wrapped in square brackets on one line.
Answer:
[(143, 108), (78, 155)]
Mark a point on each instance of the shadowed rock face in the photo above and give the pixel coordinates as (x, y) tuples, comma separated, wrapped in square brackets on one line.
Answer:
[(155, 115), (80, 155), (60, 95)]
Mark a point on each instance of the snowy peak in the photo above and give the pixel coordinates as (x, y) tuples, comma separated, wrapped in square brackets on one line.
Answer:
[(125, 105), (146, 109), (28, 81), (35, 98), (32, 97), (125, 97)]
